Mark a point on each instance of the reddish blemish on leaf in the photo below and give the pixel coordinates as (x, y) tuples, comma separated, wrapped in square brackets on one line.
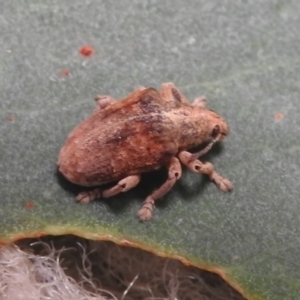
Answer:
[(11, 118), (278, 116), (29, 205), (65, 72), (86, 50)]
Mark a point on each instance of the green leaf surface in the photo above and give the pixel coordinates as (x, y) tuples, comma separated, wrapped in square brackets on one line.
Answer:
[(243, 55)]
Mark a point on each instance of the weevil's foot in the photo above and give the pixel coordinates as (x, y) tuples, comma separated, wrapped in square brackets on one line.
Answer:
[(224, 184), (89, 196), (145, 212), (83, 198)]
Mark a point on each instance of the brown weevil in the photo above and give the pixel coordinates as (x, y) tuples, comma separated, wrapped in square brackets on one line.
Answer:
[(147, 130)]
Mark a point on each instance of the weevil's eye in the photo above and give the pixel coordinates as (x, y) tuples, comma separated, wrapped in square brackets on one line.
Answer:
[(215, 132)]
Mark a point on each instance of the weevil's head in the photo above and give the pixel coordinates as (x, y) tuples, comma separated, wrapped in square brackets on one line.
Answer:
[(218, 126)]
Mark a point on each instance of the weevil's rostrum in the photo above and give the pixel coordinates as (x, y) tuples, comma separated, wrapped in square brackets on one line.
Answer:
[(147, 130)]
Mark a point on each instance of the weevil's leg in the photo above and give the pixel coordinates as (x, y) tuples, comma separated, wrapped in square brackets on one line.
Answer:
[(200, 102), (145, 212), (89, 196), (103, 101), (169, 92), (207, 168), (122, 186)]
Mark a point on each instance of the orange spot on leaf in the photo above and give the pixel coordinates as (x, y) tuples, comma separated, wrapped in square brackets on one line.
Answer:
[(29, 205), (86, 50), (65, 72), (278, 116)]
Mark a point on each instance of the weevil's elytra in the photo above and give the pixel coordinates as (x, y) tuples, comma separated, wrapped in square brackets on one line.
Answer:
[(146, 131)]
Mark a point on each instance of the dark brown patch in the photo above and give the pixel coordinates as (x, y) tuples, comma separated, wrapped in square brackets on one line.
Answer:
[(152, 123), (146, 99), (148, 105)]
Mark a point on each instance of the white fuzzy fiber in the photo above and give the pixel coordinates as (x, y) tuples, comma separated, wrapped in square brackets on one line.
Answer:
[(67, 268)]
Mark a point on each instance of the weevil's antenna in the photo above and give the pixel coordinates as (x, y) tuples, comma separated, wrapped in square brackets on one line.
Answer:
[(207, 148)]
